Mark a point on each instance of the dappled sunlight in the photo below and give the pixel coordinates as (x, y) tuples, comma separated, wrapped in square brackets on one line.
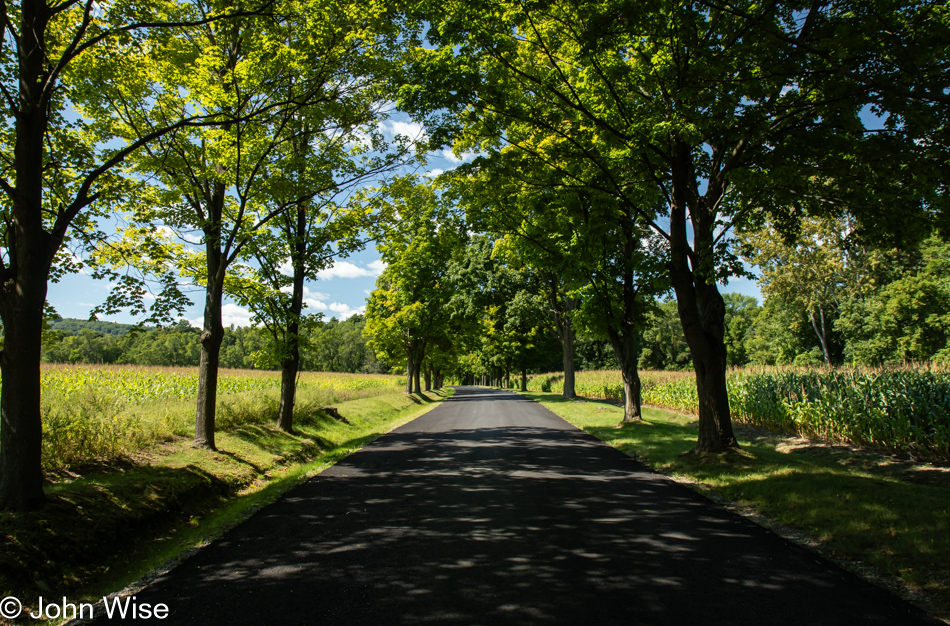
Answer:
[(501, 515)]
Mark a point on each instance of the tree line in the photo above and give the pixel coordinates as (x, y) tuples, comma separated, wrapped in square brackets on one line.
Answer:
[(626, 152), (331, 346)]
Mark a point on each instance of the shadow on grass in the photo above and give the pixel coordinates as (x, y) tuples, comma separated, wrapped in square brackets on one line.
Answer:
[(427, 397), (277, 442), (93, 520)]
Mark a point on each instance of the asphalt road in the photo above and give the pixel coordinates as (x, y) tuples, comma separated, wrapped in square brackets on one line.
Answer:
[(490, 509)]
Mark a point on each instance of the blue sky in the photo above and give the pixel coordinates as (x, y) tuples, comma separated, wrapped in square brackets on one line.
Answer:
[(340, 291)]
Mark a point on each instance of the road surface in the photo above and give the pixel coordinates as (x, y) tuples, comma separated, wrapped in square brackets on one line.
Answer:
[(490, 509)]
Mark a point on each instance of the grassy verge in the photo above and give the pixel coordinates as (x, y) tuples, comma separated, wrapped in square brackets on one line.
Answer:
[(106, 525), (885, 517)]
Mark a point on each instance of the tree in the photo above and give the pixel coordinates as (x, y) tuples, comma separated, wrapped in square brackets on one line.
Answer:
[(740, 315), (624, 274), (905, 316), (809, 272), (500, 300), (274, 87), (407, 311), (497, 200), (59, 175), (309, 236)]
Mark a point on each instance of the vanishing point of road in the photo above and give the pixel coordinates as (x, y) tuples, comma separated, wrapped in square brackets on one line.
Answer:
[(490, 509)]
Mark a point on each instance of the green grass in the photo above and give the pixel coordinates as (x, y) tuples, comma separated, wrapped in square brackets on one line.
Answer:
[(108, 523), (857, 506)]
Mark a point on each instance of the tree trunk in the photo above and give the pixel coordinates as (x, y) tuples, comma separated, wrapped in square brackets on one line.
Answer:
[(428, 378), (288, 392), (562, 307), (822, 334), (508, 374), (625, 348), (410, 367), (524, 379), (631, 394), (21, 429), (567, 345), (415, 378), (290, 365), (211, 338), (23, 282), (701, 308)]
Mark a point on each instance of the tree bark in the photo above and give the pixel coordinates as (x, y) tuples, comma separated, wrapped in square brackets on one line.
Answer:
[(410, 366), (567, 345), (211, 337), (822, 334), (428, 378), (524, 379), (561, 308), (290, 365), (23, 283), (21, 428), (625, 347), (701, 308)]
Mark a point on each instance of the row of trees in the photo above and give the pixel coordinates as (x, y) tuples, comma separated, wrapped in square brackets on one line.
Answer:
[(227, 140), (623, 148)]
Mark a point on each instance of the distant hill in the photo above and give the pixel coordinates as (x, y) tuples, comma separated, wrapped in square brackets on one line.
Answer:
[(74, 327)]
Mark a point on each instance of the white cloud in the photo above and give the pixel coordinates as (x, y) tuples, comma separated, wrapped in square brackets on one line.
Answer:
[(450, 156), (230, 314), (233, 314), (412, 130), (314, 294), (345, 269), (286, 268), (434, 173), (344, 311), (192, 237), (335, 309)]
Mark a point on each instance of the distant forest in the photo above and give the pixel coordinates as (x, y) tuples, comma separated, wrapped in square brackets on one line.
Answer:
[(333, 346)]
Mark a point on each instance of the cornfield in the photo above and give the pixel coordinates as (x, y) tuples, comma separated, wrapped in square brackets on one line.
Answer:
[(136, 385), (896, 409), (104, 412), (602, 384)]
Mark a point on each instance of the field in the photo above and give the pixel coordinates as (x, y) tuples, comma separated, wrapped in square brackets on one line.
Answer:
[(905, 410), (101, 413)]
